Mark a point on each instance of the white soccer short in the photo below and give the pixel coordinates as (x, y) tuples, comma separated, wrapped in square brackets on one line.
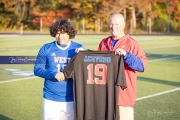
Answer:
[(53, 110)]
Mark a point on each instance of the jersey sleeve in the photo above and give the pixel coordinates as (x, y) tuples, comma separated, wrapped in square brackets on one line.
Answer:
[(121, 78), (69, 69), (134, 62), (137, 60), (39, 67)]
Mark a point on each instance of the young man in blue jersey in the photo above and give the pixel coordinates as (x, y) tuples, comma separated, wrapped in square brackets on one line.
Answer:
[(51, 60)]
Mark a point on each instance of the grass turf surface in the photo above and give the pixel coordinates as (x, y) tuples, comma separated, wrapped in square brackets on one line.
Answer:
[(21, 99)]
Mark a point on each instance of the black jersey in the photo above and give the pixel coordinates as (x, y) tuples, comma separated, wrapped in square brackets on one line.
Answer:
[(97, 76)]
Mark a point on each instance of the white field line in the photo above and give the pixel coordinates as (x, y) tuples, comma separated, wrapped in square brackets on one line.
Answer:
[(19, 51), (162, 47), (13, 80), (161, 93), (164, 59), (17, 46), (157, 94), (9, 35)]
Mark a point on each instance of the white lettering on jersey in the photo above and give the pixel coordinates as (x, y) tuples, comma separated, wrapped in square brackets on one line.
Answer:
[(61, 59)]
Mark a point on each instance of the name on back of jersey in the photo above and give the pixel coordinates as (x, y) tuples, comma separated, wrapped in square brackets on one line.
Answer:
[(102, 59)]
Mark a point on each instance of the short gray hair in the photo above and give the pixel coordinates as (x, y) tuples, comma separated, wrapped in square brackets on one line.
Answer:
[(117, 14)]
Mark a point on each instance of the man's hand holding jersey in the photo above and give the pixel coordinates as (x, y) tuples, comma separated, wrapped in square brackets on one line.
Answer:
[(120, 51), (60, 76), (79, 49)]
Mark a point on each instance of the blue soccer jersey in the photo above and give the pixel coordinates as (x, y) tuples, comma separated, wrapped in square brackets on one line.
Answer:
[(51, 59)]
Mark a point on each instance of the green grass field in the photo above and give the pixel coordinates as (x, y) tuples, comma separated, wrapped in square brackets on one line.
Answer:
[(158, 88)]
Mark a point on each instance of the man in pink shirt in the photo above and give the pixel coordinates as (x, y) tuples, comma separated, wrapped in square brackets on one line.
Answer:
[(135, 61)]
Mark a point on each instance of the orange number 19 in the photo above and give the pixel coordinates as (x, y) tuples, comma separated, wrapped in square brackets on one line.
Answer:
[(97, 72)]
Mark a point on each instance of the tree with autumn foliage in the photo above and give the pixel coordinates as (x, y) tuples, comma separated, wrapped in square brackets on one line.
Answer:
[(19, 11), (133, 11), (167, 15), (92, 15)]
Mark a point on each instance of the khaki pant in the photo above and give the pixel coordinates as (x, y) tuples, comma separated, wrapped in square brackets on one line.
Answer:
[(126, 113)]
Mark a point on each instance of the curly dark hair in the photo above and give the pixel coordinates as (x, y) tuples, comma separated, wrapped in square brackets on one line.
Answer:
[(64, 26)]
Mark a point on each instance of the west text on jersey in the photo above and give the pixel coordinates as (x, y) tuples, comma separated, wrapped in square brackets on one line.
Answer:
[(97, 59), (61, 59)]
